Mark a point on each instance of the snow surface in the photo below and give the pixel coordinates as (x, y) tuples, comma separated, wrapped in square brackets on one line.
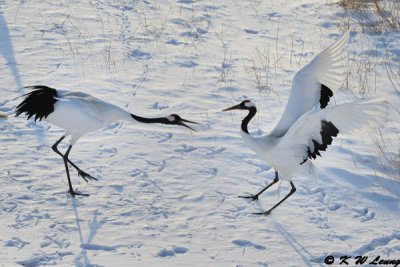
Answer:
[(167, 196)]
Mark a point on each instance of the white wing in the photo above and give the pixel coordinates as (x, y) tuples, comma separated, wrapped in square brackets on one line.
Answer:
[(314, 131), (313, 84)]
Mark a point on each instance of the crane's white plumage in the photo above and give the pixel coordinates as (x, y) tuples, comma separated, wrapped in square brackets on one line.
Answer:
[(285, 154), (308, 126), (325, 69), (79, 113)]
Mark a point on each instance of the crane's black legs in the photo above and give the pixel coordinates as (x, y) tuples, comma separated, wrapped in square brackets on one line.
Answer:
[(85, 176), (71, 190), (280, 202), (255, 197)]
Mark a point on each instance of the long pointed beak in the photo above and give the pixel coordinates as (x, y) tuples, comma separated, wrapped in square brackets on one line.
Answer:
[(188, 121), (232, 108), (182, 123)]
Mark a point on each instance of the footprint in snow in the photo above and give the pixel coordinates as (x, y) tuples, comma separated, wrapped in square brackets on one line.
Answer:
[(246, 243), (251, 31), (174, 42), (306, 5), (185, 1), (56, 240), (334, 206), (194, 34), (159, 106), (161, 137), (108, 151), (160, 166), (320, 221), (185, 148), (30, 218), (16, 242), (41, 258), (37, 126), (139, 54), (178, 21), (171, 252), (364, 214), (214, 150), (274, 14), (318, 191), (88, 246), (328, 25), (378, 243), (138, 173), (8, 206), (187, 64), (201, 30), (117, 187), (211, 172)]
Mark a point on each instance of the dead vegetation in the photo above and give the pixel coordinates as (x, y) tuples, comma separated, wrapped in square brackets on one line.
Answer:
[(380, 21), (373, 15), (389, 154)]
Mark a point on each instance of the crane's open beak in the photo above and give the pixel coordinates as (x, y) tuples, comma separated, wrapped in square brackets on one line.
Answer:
[(232, 108), (182, 123)]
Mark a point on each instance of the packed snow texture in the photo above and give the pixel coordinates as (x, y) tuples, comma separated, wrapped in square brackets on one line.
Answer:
[(167, 196)]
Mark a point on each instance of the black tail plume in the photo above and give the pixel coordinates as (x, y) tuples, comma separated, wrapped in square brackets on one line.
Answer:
[(38, 103)]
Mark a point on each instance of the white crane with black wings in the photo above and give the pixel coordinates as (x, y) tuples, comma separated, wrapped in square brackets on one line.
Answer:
[(307, 125), (79, 113)]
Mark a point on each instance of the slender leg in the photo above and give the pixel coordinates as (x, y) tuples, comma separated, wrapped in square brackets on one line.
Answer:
[(54, 147), (71, 190), (85, 176), (280, 202), (255, 197)]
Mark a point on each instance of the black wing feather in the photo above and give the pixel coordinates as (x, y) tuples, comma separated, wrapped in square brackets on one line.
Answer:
[(328, 130), (326, 95)]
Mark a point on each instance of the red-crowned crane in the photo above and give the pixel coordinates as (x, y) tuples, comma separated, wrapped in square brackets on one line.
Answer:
[(307, 126), (79, 113)]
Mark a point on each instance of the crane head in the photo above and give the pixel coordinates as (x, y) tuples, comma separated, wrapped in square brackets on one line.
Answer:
[(245, 104), (177, 120)]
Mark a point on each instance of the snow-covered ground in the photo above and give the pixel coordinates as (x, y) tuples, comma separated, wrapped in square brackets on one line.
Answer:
[(167, 196)]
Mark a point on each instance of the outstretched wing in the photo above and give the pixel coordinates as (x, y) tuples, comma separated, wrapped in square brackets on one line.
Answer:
[(313, 84), (315, 130)]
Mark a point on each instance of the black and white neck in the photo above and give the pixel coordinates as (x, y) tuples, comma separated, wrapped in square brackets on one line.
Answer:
[(245, 105), (252, 112), (163, 120), (172, 119)]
